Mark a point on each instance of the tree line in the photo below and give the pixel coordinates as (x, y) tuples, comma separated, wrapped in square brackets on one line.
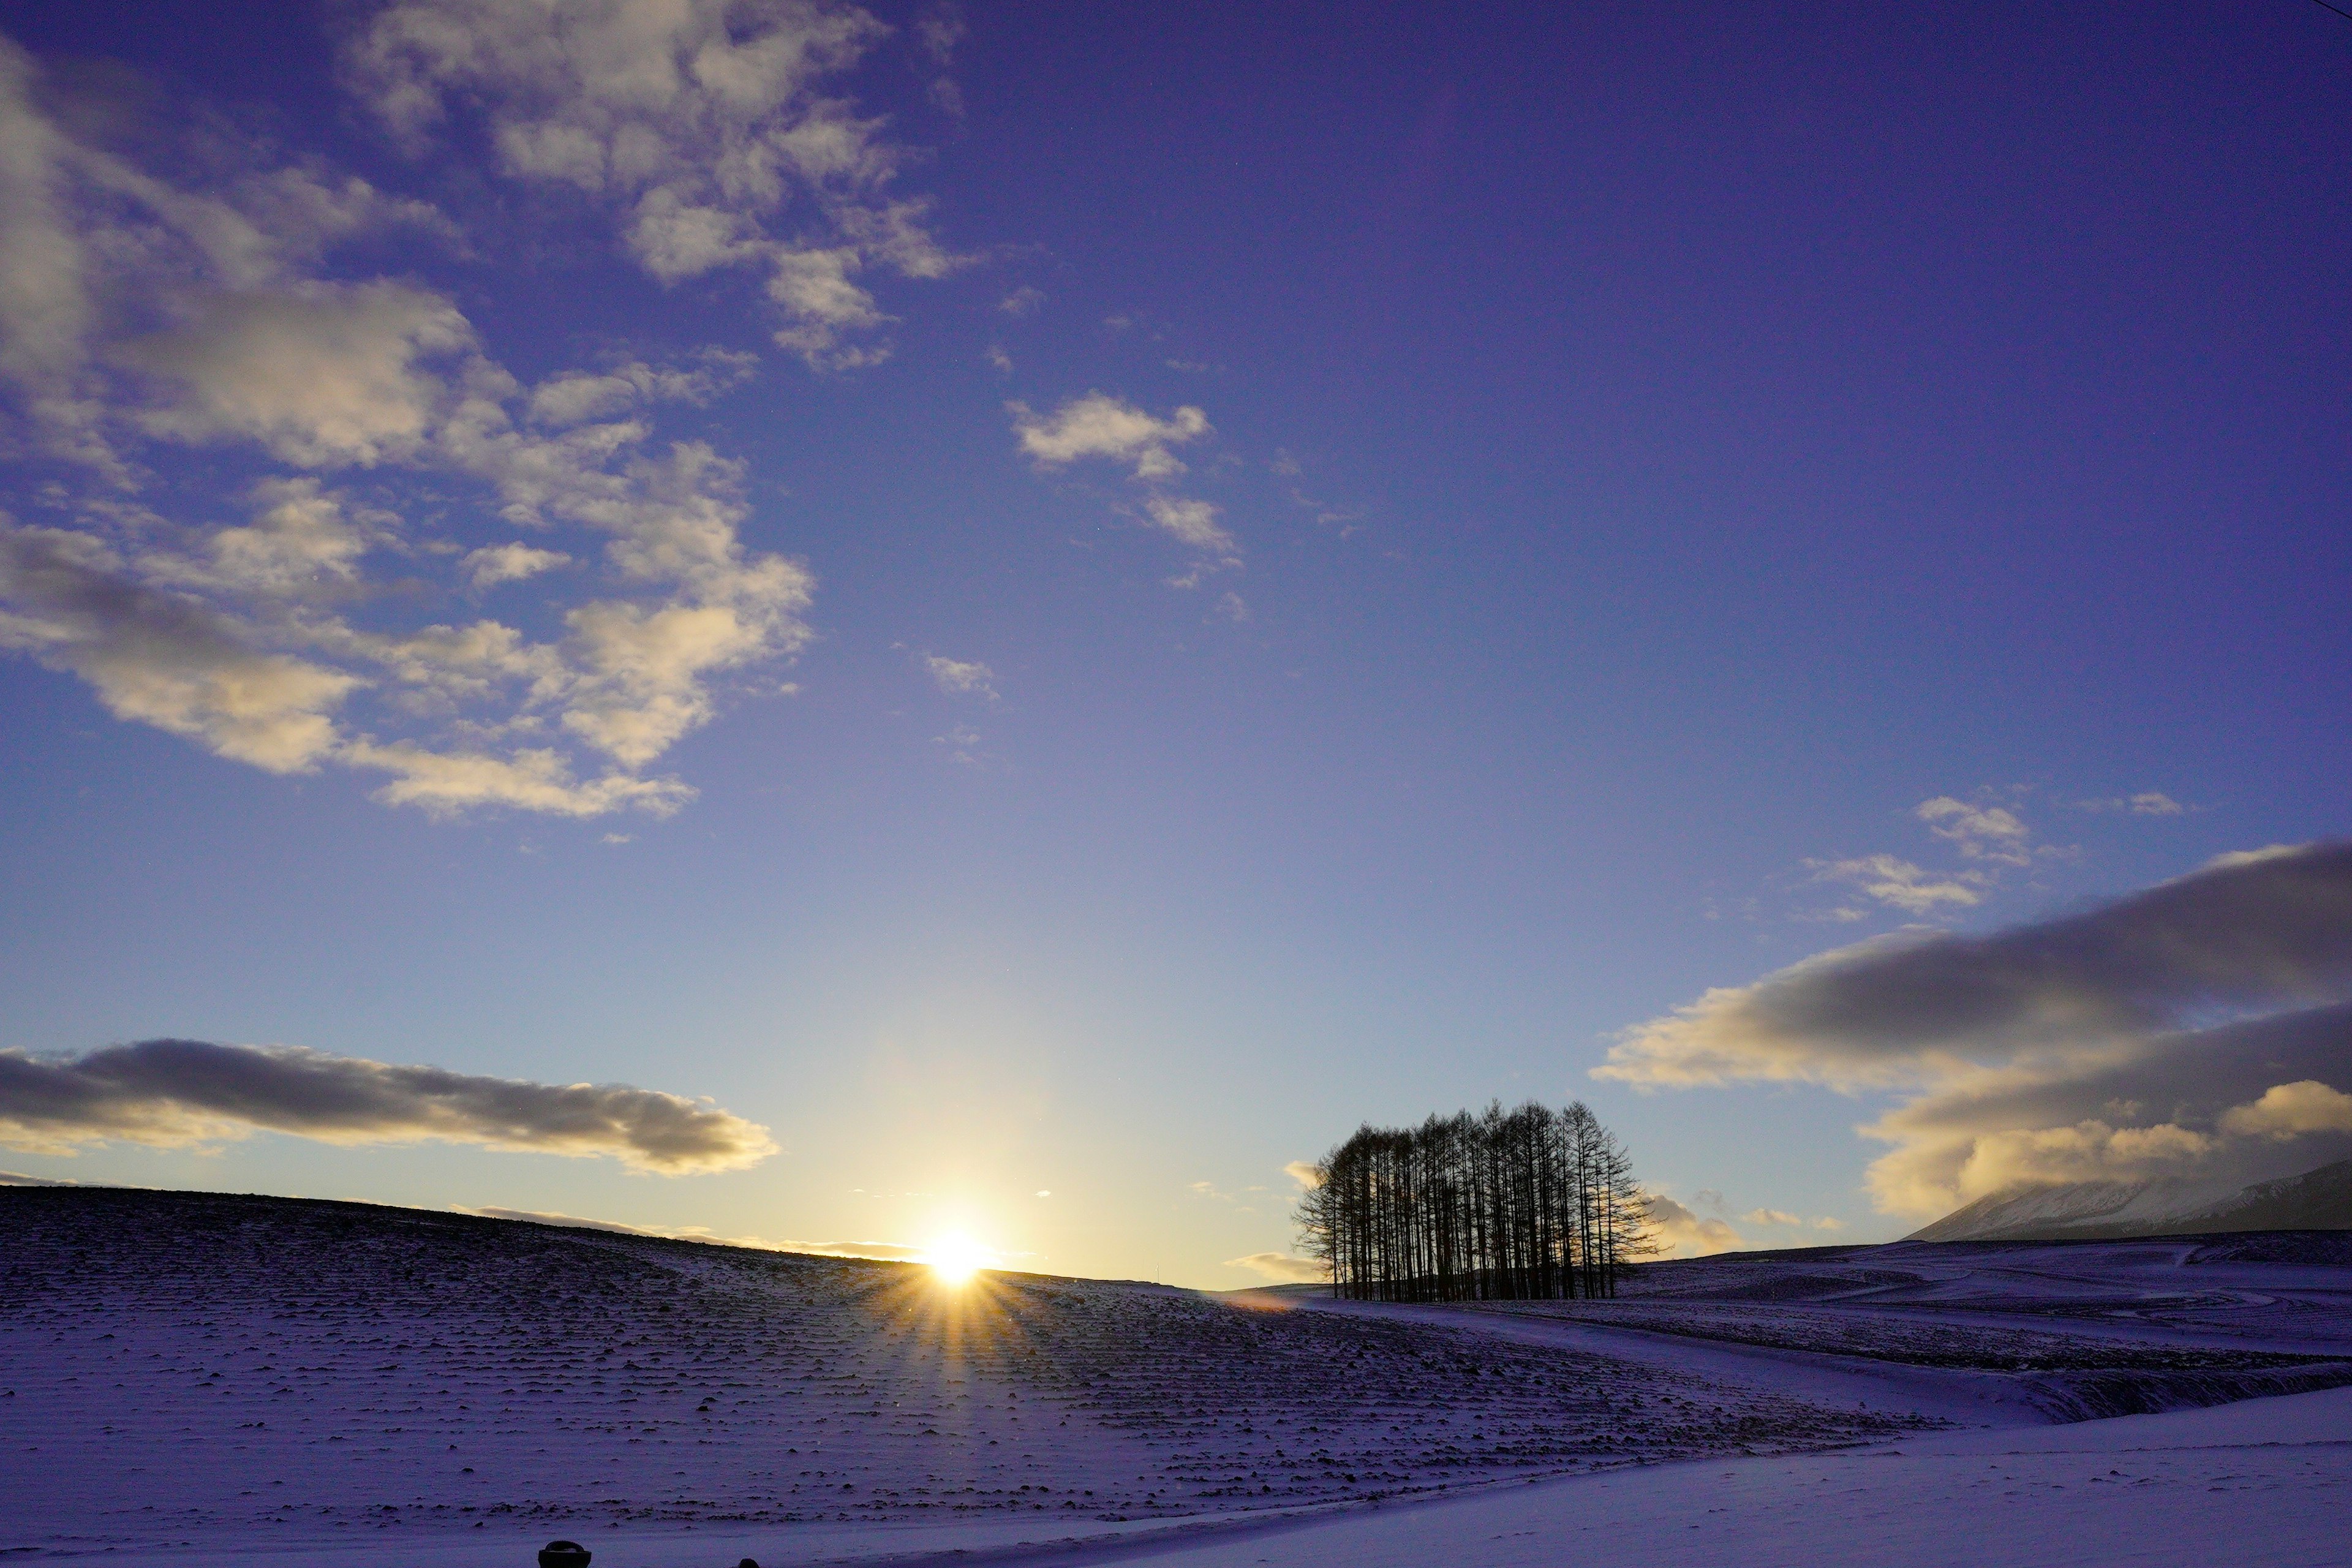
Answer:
[(1499, 1206)]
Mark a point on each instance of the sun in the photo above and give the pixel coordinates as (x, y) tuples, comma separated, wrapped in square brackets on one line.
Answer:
[(955, 1258)]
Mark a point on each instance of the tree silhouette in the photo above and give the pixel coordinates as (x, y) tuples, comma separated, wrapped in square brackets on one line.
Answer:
[(1503, 1205)]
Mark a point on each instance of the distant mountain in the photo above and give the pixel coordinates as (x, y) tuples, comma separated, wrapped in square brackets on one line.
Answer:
[(2091, 1211)]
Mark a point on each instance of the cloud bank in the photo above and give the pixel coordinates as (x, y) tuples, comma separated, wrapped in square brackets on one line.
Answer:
[(175, 1093), (2199, 1028)]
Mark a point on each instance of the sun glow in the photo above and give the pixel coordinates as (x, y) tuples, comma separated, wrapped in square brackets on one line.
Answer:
[(956, 1258)]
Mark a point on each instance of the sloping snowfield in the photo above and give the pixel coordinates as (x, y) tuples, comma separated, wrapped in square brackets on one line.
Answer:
[(214, 1379)]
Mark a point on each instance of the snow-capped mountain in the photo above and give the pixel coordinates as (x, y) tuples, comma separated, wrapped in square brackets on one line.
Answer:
[(2317, 1200)]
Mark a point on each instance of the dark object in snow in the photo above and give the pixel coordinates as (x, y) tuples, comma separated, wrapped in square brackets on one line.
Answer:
[(564, 1554), (747, 1562)]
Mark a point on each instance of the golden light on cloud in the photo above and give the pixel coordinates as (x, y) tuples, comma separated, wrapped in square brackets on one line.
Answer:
[(955, 1258)]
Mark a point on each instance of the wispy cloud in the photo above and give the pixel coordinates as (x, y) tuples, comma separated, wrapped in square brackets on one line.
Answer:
[(1099, 427), (940, 27), (1991, 833), (580, 396), (1992, 842), (173, 1094), (2146, 803), (1191, 522), (961, 676), (1900, 884)]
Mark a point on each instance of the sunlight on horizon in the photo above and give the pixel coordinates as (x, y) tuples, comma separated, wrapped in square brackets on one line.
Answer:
[(955, 1258)]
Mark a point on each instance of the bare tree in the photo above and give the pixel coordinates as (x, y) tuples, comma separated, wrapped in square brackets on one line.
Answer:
[(1518, 1204)]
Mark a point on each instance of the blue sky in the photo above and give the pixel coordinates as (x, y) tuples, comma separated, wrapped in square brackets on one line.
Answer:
[(1102, 595)]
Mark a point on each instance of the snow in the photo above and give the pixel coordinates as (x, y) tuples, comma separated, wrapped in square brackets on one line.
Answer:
[(2319, 1199), (211, 1380)]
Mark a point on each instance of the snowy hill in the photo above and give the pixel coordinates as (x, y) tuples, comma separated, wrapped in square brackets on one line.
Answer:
[(2317, 1200), (339, 1368), (208, 1380)]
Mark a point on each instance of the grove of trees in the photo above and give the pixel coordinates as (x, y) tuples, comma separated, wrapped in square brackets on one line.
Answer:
[(1500, 1205)]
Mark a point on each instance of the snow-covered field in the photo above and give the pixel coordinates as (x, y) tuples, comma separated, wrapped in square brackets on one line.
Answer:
[(210, 1378)]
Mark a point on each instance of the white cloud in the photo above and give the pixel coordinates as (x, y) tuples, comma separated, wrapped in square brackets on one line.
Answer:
[(175, 1093), (1099, 426), (940, 28), (83, 232), (705, 127), (575, 396), (961, 676), (1306, 1172), (1023, 301), (1193, 522), (47, 308), (237, 636), (496, 563), (1982, 832), (1679, 1233), (2146, 803), (159, 657), (2288, 1111), (1771, 1216), (2090, 1150), (1283, 1268), (628, 678), (1901, 884), (323, 377), (815, 289), (303, 541), (1992, 840), (447, 783)]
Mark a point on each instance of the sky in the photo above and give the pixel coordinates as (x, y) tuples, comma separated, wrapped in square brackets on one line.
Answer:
[(846, 626)]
